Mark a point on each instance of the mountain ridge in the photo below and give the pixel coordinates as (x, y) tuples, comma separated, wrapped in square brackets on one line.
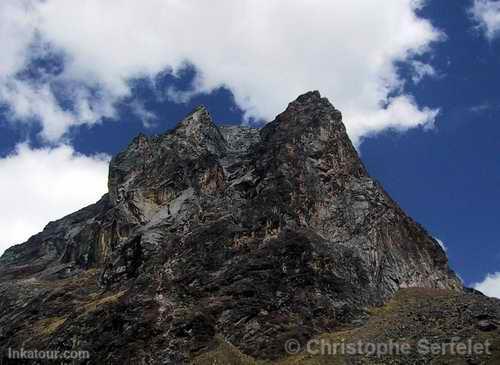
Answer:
[(255, 235)]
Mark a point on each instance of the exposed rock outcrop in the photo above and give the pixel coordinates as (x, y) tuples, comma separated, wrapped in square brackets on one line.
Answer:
[(255, 236)]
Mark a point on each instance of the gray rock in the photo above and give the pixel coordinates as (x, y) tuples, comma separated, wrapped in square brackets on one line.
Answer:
[(252, 235), (486, 326)]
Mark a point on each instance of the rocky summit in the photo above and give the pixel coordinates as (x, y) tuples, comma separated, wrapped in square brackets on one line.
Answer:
[(219, 244)]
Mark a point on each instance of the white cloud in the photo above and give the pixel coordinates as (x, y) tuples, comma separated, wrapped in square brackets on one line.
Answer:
[(265, 51), (482, 107), (400, 113), (422, 70), (487, 14), (17, 26), (490, 286), (441, 243), (28, 101), (39, 185), (138, 108)]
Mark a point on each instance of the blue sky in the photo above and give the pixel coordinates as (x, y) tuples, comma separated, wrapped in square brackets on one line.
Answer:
[(418, 90), (448, 178)]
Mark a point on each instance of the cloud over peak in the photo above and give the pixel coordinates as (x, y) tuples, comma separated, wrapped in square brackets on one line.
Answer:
[(265, 52)]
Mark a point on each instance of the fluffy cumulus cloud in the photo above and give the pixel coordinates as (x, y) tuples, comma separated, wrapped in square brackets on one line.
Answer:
[(39, 185), (265, 51), (487, 14), (490, 286)]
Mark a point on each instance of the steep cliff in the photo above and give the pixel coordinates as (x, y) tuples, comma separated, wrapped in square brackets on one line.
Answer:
[(250, 235)]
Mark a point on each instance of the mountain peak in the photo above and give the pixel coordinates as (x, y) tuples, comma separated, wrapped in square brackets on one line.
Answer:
[(200, 131), (311, 100), (309, 96), (273, 232), (309, 111), (198, 117)]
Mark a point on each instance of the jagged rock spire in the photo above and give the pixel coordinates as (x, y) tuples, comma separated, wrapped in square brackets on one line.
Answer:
[(199, 130)]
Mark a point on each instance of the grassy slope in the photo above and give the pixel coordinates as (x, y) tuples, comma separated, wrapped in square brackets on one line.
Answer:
[(437, 315)]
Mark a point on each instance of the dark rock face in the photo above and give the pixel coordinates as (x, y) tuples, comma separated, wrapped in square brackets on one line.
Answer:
[(252, 235)]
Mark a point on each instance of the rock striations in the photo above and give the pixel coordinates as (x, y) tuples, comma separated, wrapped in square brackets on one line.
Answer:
[(253, 236)]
